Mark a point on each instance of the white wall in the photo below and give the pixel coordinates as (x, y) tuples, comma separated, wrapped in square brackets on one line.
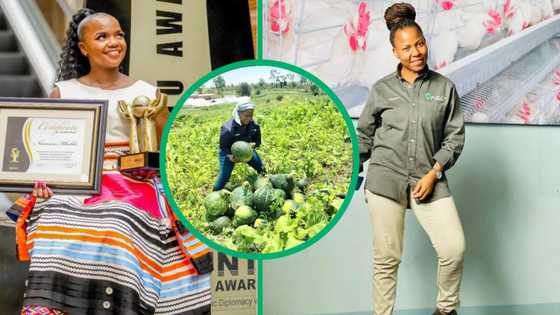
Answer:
[(507, 188)]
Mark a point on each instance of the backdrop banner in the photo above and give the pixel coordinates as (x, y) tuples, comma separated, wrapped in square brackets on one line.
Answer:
[(234, 285), (172, 43)]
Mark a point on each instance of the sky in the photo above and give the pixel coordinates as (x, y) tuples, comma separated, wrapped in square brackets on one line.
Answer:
[(250, 75)]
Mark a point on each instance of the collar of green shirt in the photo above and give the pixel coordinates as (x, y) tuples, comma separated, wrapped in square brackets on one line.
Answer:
[(422, 75)]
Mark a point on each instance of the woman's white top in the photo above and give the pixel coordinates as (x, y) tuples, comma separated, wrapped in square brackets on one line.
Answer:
[(118, 128)]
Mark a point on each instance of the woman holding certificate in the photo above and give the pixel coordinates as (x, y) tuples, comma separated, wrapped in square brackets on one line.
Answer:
[(117, 252)]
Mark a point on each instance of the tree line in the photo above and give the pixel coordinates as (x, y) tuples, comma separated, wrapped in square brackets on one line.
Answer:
[(276, 80)]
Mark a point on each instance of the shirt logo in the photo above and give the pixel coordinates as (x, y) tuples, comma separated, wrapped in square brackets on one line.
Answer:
[(430, 97)]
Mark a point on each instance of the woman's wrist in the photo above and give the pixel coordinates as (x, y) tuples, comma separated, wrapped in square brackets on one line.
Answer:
[(435, 174), (432, 174)]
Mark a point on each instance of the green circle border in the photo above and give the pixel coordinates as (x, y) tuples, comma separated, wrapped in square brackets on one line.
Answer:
[(339, 106)]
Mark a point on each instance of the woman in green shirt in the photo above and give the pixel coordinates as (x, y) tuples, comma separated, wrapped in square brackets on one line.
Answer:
[(412, 130)]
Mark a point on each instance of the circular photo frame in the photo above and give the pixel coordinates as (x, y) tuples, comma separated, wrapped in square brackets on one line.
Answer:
[(259, 159)]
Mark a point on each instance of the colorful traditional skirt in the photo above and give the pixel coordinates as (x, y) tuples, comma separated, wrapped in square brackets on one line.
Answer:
[(40, 310), (109, 256)]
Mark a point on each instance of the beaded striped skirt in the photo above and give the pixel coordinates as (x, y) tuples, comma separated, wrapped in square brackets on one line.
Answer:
[(109, 258)]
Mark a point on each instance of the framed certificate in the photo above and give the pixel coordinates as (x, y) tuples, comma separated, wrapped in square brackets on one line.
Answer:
[(58, 141)]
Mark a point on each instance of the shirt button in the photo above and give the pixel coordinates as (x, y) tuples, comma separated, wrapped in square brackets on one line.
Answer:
[(109, 290), (106, 305), (412, 140), (413, 121), (413, 104), (411, 159), (26, 282)]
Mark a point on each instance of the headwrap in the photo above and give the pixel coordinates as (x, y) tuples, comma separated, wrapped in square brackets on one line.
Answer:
[(240, 107)]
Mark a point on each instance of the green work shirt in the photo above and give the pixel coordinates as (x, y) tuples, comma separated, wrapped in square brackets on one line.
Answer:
[(405, 128)]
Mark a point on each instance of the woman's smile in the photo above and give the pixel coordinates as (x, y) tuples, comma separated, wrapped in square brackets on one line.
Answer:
[(103, 42)]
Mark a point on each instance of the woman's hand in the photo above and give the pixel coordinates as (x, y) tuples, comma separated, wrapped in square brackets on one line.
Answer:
[(40, 190), (425, 186), (253, 145)]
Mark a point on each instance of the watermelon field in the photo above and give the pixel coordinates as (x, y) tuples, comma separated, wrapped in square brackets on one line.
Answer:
[(307, 153)]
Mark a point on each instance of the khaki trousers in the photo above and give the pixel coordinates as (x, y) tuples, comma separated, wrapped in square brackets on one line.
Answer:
[(442, 224)]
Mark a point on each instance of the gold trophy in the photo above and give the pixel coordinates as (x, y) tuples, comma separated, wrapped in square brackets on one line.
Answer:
[(143, 160)]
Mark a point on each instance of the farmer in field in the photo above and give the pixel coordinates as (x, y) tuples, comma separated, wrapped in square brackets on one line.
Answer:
[(241, 128)]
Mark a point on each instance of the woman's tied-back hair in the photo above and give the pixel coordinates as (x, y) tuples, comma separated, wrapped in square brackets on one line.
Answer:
[(72, 63), (399, 16)]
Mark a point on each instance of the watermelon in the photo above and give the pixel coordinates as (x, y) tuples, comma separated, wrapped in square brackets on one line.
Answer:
[(259, 222), (242, 151), (299, 198), (275, 208), (245, 232), (230, 212), (210, 218), (252, 177), (283, 181), (262, 181), (248, 238), (301, 234), (244, 215), (242, 196), (280, 194), (216, 203), (219, 224), (289, 206), (263, 198), (284, 224), (302, 183)]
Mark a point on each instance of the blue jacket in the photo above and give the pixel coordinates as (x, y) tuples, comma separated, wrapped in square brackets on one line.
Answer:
[(232, 131)]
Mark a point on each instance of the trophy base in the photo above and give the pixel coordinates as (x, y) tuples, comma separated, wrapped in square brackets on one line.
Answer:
[(140, 166)]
